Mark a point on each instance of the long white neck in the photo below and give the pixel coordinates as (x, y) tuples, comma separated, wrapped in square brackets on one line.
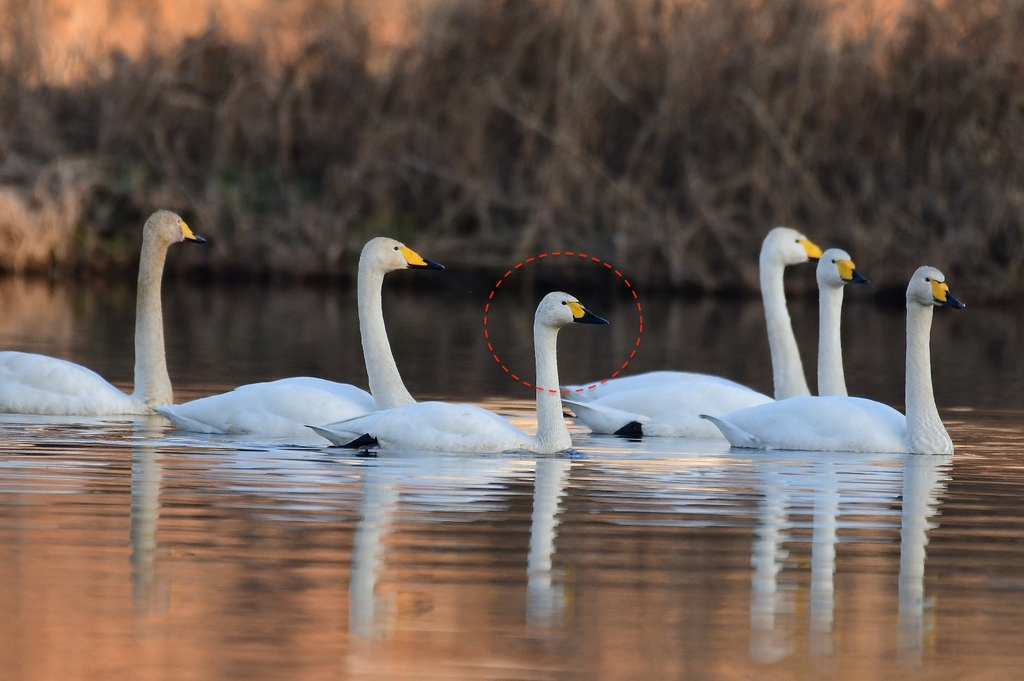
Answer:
[(552, 435), (831, 380), (385, 382), (925, 432), (152, 384), (786, 366)]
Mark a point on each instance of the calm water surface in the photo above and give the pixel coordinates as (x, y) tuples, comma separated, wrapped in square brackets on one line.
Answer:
[(129, 550)]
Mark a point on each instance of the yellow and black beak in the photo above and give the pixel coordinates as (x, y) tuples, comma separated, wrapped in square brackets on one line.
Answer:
[(942, 296), (190, 235), (413, 259), (582, 315), (849, 273), (813, 251)]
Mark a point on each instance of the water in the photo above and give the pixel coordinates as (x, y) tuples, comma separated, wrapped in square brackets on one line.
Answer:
[(130, 550)]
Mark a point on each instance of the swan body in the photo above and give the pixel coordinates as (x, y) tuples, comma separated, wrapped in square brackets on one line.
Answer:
[(436, 426), (835, 270), (285, 406), (276, 408), (37, 384), (671, 409), (781, 248), (851, 424)]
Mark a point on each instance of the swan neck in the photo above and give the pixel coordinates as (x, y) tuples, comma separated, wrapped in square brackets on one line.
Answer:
[(152, 383), (925, 432), (831, 380), (787, 368), (552, 435), (385, 382)]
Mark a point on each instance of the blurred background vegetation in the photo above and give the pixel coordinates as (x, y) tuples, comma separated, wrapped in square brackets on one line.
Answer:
[(666, 135)]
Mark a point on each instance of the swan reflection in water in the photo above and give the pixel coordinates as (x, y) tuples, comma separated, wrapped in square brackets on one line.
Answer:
[(447, 485), (924, 481), (433, 484), (832, 482), (545, 601), (145, 510)]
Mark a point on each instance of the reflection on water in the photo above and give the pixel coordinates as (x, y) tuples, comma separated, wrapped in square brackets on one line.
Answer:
[(924, 480), (129, 550), (127, 547), (545, 599)]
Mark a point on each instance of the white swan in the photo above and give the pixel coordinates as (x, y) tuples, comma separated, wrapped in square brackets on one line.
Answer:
[(853, 424), (284, 406), (835, 271), (440, 426), (37, 384), (669, 403), (781, 247)]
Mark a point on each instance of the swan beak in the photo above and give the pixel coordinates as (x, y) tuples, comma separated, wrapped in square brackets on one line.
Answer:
[(582, 315), (413, 259), (190, 235), (942, 296), (849, 274), (813, 252)]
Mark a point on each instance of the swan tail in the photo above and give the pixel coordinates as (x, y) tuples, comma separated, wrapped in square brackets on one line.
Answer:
[(737, 437), (609, 420), (345, 439), (182, 422), (631, 429)]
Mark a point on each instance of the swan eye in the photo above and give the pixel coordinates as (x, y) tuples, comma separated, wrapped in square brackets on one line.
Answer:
[(834, 261), (564, 302), (928, 279), (396, 248)]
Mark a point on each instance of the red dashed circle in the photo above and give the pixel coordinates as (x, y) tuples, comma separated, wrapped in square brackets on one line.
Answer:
[(598, 261)]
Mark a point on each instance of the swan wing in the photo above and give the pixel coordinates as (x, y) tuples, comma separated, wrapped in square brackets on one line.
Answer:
[(651, 379), (432, 426), (673, 409), (37, 384), (830, 424), (276, 408), (604, 419)]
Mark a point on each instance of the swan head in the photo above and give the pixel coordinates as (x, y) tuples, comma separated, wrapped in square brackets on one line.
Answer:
[(928, 288), (836, 269), (560, 309), (168, 228), (785, 246), (389, 255)]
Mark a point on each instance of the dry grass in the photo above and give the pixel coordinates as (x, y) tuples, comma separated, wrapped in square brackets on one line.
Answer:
[(669, 135)]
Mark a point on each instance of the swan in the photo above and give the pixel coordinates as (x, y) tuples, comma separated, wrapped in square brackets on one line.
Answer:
[(672, 408), (853, 424), (37, 384), (284, 406), (835, 270), (669, 403), (781, 248), (439, 426)]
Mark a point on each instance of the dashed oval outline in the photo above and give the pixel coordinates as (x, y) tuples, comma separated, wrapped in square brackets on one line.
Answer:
[(589, 258)]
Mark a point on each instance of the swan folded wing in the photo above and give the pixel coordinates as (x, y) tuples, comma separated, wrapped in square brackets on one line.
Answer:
[(279, 408), (603, 419), (652, 379), (673, 409), (826, 424), (434, 426), (37, 384)]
